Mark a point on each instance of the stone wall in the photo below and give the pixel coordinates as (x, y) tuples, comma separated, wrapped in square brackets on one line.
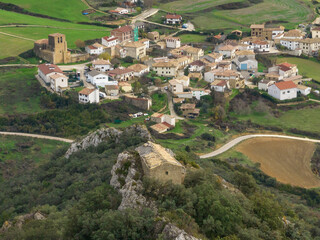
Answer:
[(142, 103)]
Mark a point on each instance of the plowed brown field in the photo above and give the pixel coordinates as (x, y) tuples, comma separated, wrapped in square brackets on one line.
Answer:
[(286, 160)]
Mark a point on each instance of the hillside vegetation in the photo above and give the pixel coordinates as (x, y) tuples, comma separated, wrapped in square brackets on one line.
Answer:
[(226, 14)]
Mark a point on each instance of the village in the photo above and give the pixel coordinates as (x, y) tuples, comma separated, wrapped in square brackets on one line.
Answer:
[(113, 66)]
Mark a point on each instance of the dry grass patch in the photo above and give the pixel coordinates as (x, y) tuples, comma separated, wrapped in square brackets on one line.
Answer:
[(284, 159)]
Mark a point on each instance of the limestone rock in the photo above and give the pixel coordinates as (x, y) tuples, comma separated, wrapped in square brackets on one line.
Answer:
[(105, 134), (171, 232)]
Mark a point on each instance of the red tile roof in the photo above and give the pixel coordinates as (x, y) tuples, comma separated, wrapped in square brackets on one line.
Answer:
[(285, 85), (109, 39), (119, 71), (123, 29), (86, 91), (47, 68), (286, 66), (92, 47), (173, 16)]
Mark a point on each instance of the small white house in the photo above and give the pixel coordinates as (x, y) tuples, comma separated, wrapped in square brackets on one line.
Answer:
[(58, 81), (173, 19), (145, 41), (291, 44), (119, 10), (109, 41), (199, 92), (139, 69), (228, 51), (99, 79), (209, 76), (45, 70), (220, 85), (304, 90), (283, 90), (175, 86), (95, 49), (265, 84), (88, 95), (261, 46), (173, 42), (245, 63), (196, 66), (102, 65)]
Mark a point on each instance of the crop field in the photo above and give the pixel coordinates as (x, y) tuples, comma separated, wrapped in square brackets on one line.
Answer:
[(307, 68), (207, 15), (19, 91), (284, 159)]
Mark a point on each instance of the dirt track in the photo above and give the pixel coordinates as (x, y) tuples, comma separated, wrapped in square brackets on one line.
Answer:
[(284, 159)]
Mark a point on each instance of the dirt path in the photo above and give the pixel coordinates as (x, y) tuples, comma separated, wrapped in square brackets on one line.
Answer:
[(16, 36), (287, 160), (237, 140), (46, 26), (37, 136)]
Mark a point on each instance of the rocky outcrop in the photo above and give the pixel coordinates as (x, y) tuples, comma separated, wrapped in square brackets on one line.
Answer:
[(106, 134), (171, 232), (20, 220), (126, 177)]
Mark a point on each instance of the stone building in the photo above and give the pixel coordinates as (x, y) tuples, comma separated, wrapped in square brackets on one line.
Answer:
[(55, 50), (159, 163)]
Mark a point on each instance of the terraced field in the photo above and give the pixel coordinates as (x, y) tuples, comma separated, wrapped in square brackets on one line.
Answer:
[(217, 15)]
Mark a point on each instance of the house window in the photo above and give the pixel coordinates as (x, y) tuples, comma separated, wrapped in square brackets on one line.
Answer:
[(167, 173), (288, 91)]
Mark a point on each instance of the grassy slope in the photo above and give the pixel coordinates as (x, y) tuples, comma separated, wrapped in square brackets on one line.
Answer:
[(292, 11), (187, 38), (304, 119), (12, 46), (19, 91), (39, 151), (306, 67), (71, 35), (70, 9)]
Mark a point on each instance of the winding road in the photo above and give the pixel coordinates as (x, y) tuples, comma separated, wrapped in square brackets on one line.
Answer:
[(237, 140), (37, 136)]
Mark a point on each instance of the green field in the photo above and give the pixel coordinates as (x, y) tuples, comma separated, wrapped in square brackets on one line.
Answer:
[(205, 17), (187, 38), (13, 46), (19, 91), (70, 9), (307, 68), (20, 148), (307, 119)]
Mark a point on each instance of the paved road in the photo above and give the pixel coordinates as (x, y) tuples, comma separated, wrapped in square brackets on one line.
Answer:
[(236, 141), (171, 108), (37, 136), (145, 14)]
